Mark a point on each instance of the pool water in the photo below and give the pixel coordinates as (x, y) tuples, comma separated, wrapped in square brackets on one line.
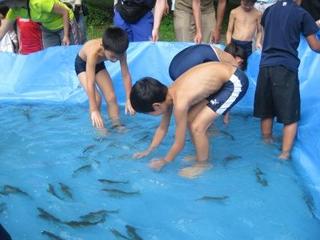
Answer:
[(60, 179)]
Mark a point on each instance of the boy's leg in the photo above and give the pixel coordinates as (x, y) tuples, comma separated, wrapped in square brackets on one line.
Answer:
[(289, 134), (266, 129), (199, 128), (83, 80), (105, 84)]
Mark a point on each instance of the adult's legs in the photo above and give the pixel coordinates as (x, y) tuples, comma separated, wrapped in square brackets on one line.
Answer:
[(142, 30), (184, 26), (266, 129)]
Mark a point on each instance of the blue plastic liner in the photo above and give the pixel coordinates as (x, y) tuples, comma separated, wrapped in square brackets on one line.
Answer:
[(49, 77)]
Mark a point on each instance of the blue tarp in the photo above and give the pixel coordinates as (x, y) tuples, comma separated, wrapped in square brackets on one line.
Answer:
[(49, 77)]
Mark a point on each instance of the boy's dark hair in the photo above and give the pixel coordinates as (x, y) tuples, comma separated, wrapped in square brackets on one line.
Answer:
[(115, 39), (250, 1), (145, 93), (237, 51), (4, 10)]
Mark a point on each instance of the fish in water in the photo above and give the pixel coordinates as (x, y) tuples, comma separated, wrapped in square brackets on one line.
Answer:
[(110, 181), (213, 198), (82, 223), (66, 190), (53, 192), (118, 235), (27, 113), (94, 216), (310, 204), (48, 216), (84, 168), (132, 233), (88, 148), (230, 158), (259, 177), (51, 235), (8, 189), (119, 193)]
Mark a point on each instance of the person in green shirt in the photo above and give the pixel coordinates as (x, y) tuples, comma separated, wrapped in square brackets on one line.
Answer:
[(57, 20)]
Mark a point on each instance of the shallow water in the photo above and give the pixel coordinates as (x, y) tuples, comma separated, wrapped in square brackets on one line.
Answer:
[(248, 194)]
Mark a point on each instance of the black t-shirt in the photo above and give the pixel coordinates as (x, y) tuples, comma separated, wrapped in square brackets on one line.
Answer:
[(313, 7)]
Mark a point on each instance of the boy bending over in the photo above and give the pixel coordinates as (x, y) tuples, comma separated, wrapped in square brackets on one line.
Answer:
[(196, 98), (92, 73)]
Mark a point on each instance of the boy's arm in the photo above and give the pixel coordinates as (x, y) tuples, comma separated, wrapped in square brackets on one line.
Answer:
[(230, 27), (314, 43), (181, 114), (220, 13), (160, 9), (158, 136), (91, 90), (58, 9), (126, 78), (196, 11), (259, 32)]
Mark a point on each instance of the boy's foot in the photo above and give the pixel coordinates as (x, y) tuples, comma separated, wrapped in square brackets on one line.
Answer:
[(195, 170), (189, 158), (226, 119), (268, 140), (284, 155)]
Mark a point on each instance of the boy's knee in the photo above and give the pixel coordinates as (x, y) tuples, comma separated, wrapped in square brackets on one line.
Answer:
[(197, 129), (111, 98)]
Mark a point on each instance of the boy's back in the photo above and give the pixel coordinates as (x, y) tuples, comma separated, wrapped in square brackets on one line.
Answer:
[(283, 22), (201, 81)]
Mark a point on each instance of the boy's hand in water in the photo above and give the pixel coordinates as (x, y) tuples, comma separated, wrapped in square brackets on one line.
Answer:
[(157, 164), (128, 108), (142, 154), (96, 119)]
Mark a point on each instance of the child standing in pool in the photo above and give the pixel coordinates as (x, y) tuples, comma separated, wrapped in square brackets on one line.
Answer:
[(92, 73), (244, 26)]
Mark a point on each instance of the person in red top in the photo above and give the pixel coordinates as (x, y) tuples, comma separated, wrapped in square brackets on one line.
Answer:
[(29, 34)]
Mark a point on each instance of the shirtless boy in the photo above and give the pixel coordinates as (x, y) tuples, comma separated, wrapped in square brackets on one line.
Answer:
[(92, 73), (244, 26), (196, 98)]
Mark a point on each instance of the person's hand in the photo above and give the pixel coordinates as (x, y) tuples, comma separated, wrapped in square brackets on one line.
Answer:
[(197, 38), (96, 119), (155, 35), (215, 36), (128, 108), (66, 41), (141, 154), (258, 46), (157, 164)]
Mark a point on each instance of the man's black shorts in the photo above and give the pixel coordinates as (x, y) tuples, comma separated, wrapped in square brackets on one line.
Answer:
[(277, 95)]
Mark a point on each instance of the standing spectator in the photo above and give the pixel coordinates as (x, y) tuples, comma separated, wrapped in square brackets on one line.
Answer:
[(195, 20), (137, 19), (57, 20), (8, 38), (277, 92), (80, 11), (244, 26), (262, 5)]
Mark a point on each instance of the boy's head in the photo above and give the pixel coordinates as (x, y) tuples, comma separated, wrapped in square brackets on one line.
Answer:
[(247, 5), (147, 94), (239, 55), (115, 42)]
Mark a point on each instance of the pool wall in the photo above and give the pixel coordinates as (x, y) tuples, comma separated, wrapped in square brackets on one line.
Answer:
[(49, 77)]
